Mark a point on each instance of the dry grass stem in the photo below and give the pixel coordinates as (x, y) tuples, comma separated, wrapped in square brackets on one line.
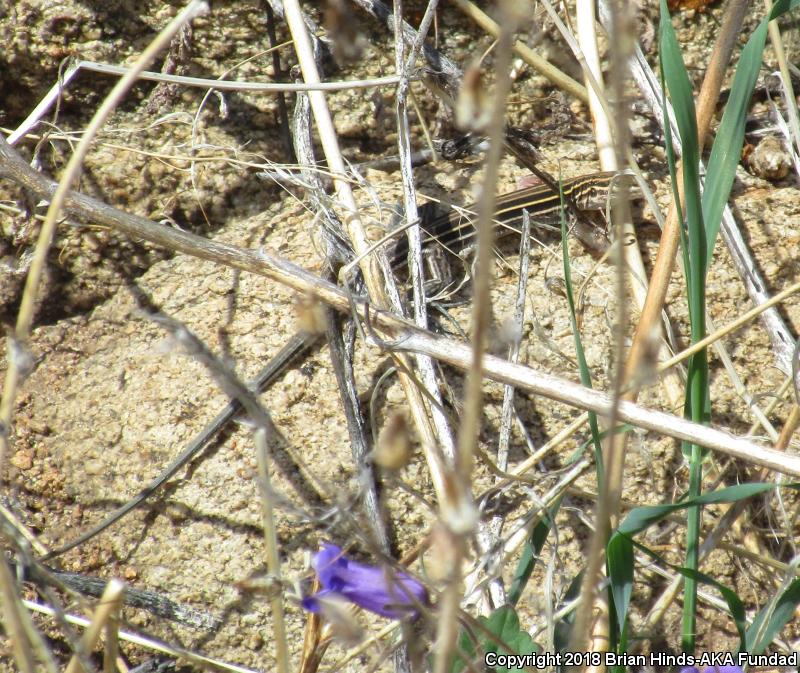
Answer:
[(325, 195), (370, 267), (149, 644), (786, 82), (541, 65), (612, 138), (272, 549), (107, 609), (14, 617), (403, 63), (731, 327), (71, 173), (74, 69)]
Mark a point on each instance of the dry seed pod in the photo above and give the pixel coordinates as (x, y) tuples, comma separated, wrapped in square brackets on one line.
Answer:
[(394, 444), (342, 26), (442, 558), (339, 617), (473, 110), (310, 315)]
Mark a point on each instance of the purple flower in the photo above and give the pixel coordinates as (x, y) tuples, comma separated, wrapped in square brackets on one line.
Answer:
[(389, 593)]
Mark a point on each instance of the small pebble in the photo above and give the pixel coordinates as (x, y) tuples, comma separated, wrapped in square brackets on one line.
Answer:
[(769, 160), (22, 460), (93, 467)]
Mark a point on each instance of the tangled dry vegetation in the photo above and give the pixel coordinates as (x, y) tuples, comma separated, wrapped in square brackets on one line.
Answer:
[(218, 220)]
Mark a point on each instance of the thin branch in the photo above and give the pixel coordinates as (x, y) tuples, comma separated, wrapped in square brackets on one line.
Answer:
[(273, 554), (463, 523), (786, 82), (197, 82), (107, 608), (444, 434), (71, 172), (148, 643), (410, 337), (374, 267), (488, 538), (538, 63), (613, 143), (14, 620)]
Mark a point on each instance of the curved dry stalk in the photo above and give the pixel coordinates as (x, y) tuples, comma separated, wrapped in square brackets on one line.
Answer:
[(107, 609), (271, 542), (539, 64), (57, 89), (469, 428), (149, 644), (18, 343), (409, 337)]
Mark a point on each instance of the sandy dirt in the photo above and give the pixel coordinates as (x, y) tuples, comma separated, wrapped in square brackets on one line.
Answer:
[(112, 398)]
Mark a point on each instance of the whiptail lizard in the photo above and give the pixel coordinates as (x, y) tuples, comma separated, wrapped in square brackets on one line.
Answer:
[(453, 231)]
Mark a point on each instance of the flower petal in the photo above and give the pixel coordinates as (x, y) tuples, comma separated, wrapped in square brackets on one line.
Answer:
[(327, 562), (312, 603), (388, 593)]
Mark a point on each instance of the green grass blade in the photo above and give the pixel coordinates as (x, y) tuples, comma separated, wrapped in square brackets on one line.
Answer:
[(731, 598), (620, 561), (680, 91), (730, 136), (777, 615), (697, 395), (641, 518), (530, 552), (583, 367), (619, 551)]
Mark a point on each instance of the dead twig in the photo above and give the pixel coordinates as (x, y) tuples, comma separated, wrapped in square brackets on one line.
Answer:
[(413, 339)]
